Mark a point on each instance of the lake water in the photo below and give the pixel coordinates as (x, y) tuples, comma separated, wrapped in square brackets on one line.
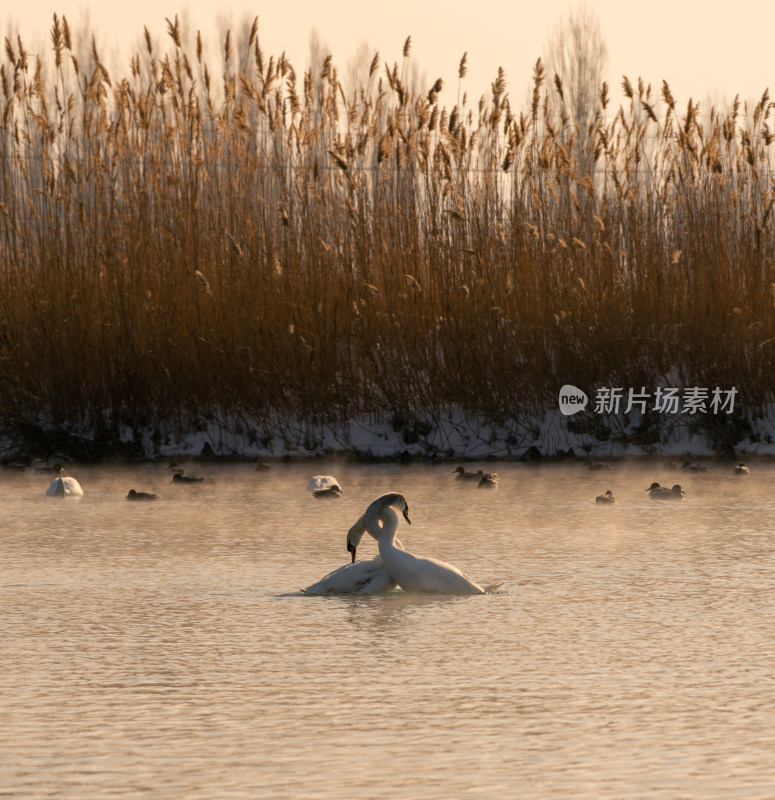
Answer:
[(163, 650)]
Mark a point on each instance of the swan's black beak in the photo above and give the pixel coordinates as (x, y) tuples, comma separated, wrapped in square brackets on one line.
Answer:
[(351, 549), (406, 516)]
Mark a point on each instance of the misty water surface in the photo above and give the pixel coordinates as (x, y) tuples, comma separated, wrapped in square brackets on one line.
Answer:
[(164, 650)]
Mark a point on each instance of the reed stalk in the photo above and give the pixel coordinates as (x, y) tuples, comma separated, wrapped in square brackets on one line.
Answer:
[(172, 246)]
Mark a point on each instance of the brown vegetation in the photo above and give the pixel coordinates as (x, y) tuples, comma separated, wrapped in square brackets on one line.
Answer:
[(280, 248)]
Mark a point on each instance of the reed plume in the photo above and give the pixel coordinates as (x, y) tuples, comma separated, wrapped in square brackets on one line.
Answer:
[(371, 253)]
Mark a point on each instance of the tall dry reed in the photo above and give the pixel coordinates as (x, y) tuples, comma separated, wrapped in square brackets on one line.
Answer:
[(175, 244)]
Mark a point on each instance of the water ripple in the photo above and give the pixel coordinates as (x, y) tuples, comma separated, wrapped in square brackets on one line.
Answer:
[(168, 653)]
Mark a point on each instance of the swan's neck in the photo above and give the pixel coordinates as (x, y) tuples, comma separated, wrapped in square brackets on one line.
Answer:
[(386, 531)]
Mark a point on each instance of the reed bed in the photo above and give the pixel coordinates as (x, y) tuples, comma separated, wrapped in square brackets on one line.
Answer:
[(175, 245)]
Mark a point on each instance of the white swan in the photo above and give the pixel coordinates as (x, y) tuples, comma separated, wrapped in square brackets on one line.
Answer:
[(64, 487), (324, 487), (358, 577), (322, 482), (413, 573)]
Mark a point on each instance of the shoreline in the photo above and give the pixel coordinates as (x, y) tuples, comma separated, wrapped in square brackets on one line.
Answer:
[(529, 438)]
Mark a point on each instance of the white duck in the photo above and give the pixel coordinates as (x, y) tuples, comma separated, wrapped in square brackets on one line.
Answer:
[(358, 577), (64, 487), (413, 573)]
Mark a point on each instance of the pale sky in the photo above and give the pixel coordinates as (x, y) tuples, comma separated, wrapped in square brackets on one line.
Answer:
[(705, 50)]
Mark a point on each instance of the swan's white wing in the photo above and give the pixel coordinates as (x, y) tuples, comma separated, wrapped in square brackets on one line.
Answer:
[(72, 487), (418, 574), (410, 572), (322, 482), (361, 577)]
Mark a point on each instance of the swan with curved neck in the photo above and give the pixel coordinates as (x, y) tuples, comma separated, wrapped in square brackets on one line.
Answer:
[(413, 573), (357, 577)]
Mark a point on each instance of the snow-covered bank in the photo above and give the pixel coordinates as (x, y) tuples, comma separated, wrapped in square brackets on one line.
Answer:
[(451, 436)]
